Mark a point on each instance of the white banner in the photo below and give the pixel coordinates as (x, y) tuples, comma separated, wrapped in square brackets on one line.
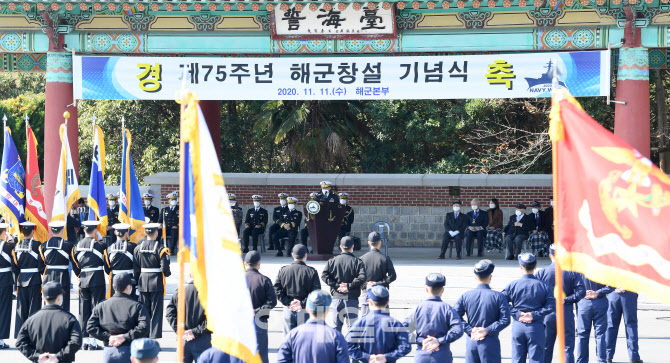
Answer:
[(520, 75)]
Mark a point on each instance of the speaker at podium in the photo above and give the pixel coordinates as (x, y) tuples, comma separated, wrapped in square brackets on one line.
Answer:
[(323, 220)]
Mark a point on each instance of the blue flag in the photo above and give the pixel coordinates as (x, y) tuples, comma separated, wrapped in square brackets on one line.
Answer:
[(12, 185), (96, 191), (130, 200)]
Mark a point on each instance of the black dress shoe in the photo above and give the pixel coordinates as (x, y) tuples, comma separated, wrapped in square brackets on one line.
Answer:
[(636, 361), (440, 257), (279, 254), (84, 347), (609, 361), (246, 250), (458, 258), (95, 347), (4, 346)]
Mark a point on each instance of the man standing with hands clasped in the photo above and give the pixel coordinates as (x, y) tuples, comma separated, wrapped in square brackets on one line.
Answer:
[(345, 274), (488, 314), (379, 269)]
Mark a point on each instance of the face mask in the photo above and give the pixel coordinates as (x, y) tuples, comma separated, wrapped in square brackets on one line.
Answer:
[(291, 206), (324, 191), (147, 203), (232, 204), (519, 213), (535, 210), (343, 201), (456, 209), (257, 204), (492, 205), (474, 207), (112, 203), (282, 202), (173, 203), (551, 203)]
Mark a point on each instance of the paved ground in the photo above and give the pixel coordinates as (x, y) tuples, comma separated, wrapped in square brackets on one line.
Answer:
[(412, 266)]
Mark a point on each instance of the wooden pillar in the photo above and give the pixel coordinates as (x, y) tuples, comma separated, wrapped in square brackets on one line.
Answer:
[(632, 119), (58, 99), (212, 112)]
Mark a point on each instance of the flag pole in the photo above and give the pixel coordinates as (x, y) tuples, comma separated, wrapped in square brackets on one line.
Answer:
[(181, 294), (560, 313)]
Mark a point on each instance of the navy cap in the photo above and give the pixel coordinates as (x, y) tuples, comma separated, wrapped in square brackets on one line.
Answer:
[(436, 280), (374, 236), (552, 248), (252, 257), (520, 206), (318, 300), (378, 294), (484, 268), (144, 348), (122, 281), (535, 204), (457, 201), (299, 251), (527, 259), (347, 242), (51, 290)]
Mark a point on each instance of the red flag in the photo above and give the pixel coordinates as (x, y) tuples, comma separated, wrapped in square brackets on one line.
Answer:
[(613, 205), (34, 196)]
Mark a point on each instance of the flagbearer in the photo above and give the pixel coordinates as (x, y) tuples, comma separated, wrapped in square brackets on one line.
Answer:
[(88, 259), (6, 285), (150, 211), (255, 222), (56, 254), (170, 219), (112, 214), (531, 301), (28, 268), (153, 262), (290, 225), (120, 257), (277, 214), (488, 314)]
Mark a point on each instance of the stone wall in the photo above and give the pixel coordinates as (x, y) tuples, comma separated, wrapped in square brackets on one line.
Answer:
[(414, 205)]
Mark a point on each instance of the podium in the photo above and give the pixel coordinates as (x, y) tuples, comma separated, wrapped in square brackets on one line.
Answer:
[(323, 228)]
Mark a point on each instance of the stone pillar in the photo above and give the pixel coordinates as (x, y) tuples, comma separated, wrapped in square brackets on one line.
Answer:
[(58, 99), (212, 112)]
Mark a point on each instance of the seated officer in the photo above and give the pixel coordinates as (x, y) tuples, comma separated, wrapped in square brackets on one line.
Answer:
[(289, 224), (327, 194), (538, 240), (144, 350), (345, 228), (277, 214), (517, 230), (390, 340), (477, 222), (455, 224), (255, 222)]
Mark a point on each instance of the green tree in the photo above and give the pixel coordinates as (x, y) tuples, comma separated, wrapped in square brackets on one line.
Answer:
[(16, 109)]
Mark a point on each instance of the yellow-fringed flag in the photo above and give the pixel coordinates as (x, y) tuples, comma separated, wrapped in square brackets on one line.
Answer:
[(96, 190), (34, 196), (210, 238), (613, 205), (67, 186), (130, 200)]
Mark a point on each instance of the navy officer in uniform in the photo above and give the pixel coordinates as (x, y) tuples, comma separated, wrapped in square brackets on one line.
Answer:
[(263, 300), (378, 337), (28, 268), (327, 194), (6, 284), (170, 219), (51, 334), (573, 286), (531, 300), (622, 303), (56, 253), (119, 320), (488, 314), (345, 274), (151, 212), (88, 259), (436, 324), (255, 223), (314, 341), (348, 220), (277, 214), (379, 269), (289, 224), (592, 310), (293, 284), (112, 214), (120, 258), (152, 261)]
